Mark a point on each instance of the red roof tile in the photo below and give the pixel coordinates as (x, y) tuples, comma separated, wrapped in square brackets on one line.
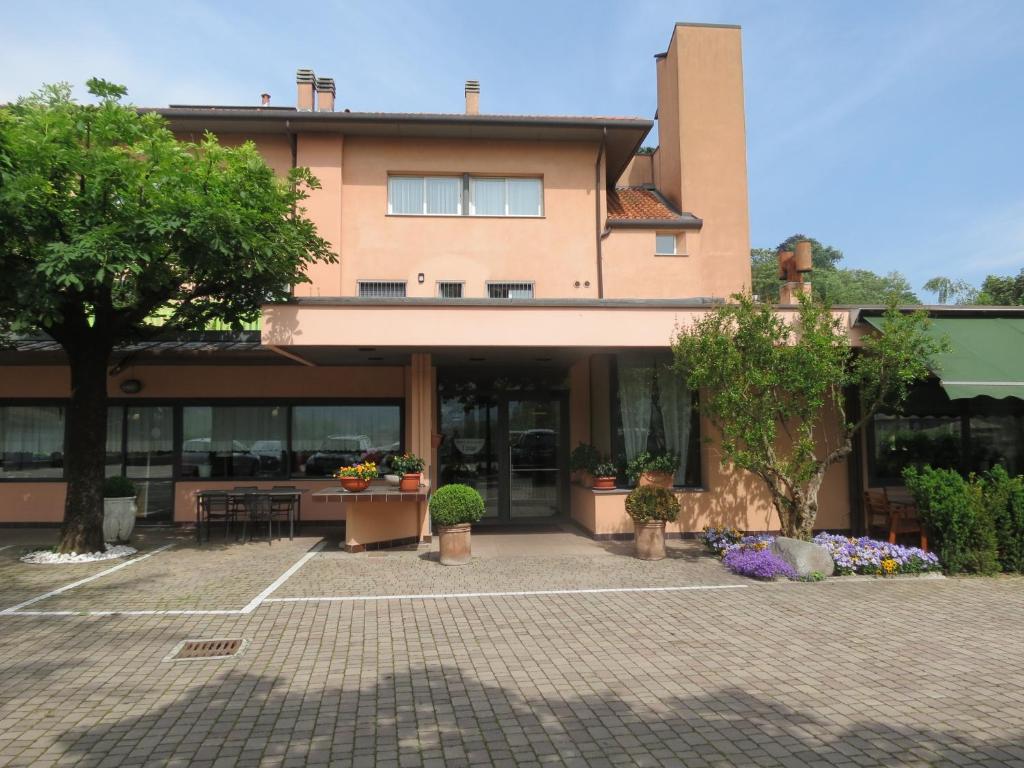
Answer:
[(638, 203)]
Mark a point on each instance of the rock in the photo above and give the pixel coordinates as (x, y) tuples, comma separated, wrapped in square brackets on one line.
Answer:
[(806, 557)]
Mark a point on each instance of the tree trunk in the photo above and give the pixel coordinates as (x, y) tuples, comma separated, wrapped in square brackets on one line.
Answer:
[(85, 455)]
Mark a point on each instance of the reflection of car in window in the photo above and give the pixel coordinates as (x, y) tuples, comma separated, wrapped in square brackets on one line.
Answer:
[(200, 452), (270, 454), (535, 448), (337, 451)]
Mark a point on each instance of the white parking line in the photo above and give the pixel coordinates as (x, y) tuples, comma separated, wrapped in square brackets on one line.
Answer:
[(524, 593), (80, 582), (258, 600)]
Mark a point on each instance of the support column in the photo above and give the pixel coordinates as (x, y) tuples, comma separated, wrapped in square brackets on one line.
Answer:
[(421, 422)]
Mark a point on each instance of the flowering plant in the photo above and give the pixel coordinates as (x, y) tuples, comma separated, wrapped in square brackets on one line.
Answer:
[(757, 563), (881, 558), (407, 464), (723, 540), (365, 471)]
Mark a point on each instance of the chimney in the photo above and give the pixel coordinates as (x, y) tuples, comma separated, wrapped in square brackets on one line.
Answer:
[(701, 162), (325, 94), (472, 97), (305, 81), (793, 268), (264, 99)]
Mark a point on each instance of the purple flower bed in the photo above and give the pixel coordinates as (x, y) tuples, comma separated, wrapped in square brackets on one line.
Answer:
[(758, 564), (866, 555)]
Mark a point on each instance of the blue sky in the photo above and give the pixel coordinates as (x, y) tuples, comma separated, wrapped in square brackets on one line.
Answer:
[(891, 130)]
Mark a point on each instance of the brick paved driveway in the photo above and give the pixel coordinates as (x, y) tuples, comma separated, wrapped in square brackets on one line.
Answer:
[(855, 673)]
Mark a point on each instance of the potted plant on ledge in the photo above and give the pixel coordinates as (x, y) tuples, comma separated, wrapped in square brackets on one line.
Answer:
[(357, 477), (605, 473), (651, 507), (454, 508), (409, 467), (583, 462), (653, 468), (119, 509)]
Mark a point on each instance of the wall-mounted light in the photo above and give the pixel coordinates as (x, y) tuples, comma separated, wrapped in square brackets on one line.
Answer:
[(421, 278), (131, 386)]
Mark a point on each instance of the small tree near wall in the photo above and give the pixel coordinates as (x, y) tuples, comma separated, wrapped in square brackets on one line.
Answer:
[(107, 221), (768, 382)]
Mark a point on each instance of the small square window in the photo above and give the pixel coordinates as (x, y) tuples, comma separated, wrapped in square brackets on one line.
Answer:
[(449, 289), (665, 245)]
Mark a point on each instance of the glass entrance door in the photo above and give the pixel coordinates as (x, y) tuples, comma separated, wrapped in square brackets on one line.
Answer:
[(510, 448)]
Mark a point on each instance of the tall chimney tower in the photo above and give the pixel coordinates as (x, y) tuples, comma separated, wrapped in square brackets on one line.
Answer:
[(472, 97), (305, 81), (325, 94)]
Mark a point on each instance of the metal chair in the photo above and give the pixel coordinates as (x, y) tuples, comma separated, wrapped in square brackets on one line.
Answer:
[(214, 505), (284, 505), (258, 508)]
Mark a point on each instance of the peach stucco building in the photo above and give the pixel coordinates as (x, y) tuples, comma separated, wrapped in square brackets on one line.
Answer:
[(507, 288)]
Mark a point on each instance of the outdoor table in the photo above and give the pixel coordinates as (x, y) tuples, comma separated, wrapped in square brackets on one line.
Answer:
[(234, 495)]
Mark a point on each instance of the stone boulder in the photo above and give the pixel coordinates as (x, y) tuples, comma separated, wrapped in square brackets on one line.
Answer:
[(806, 557)]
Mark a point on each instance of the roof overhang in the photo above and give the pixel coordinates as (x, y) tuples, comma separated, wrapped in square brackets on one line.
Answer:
[(686, 221), (623, 135)]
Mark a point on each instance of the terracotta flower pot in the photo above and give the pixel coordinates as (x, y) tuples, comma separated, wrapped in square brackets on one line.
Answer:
[(659, 479), (410, 482), (650, 540), (604, 484), (354, 484), (454, 543)]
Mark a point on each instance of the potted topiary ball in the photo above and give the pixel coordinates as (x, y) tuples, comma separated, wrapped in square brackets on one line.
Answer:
[(454, 508), (119, 509), (651, 507)]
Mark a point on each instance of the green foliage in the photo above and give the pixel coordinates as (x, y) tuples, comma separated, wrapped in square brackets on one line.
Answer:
[(649, 503), (959, 522), (645, 461), (456, 504), (118, 487), (605, 468), (764, 377), (947, 290), (1003, 291), (407, 464), (829, 281), (1004, 499), (584, 458)]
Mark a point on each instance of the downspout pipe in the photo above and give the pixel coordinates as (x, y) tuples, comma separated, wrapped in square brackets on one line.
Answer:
[(597, 213)]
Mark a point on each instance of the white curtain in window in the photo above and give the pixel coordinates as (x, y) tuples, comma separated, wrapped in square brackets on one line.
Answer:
[(636, 381), (676, 400), (488, 197), (405, 194), (524, 197), (31, 438), (443, 195)]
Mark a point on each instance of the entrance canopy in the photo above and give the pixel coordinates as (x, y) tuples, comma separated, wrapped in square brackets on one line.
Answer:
[(986, 355)]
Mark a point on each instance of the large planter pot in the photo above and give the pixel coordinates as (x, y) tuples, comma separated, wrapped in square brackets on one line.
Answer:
[(650, 540), (118, 519), (454, 543), (354, 484), (659, 479), (410, 482), (604, 484)]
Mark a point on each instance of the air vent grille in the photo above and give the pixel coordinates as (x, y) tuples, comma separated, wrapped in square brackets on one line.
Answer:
[(221, 648)]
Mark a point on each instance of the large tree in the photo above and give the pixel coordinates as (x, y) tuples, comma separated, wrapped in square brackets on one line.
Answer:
[(771, 384), (830, 281), (108, 221)]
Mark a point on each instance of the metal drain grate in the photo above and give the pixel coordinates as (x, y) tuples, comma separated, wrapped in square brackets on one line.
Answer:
[(188, 650)]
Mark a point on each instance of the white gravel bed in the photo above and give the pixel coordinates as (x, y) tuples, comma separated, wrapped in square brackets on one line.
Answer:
[(49, 557)]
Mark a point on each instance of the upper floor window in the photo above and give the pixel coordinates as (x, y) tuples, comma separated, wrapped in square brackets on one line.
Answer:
[(505, 196), (425, 195), (664, 244), (510, 290), (382, 289)]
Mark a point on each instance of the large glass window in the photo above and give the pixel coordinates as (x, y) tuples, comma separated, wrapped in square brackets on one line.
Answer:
[(234, 441), (997, 434), (654, 410), (31, 441), (325, 437), (425, 195), (505, 197)]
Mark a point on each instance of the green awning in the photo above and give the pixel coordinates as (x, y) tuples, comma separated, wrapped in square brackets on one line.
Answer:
[(986, 356)]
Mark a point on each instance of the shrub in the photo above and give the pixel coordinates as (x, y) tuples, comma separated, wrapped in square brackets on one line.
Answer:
[(584, 458), (407, 464), (456, 504), (1003, 497), (118, 487), (758, 564), (645, 461), (960, 526), (648, 504)]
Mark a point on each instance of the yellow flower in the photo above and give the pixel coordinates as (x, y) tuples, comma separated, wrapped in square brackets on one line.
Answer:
[(889, 566)]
